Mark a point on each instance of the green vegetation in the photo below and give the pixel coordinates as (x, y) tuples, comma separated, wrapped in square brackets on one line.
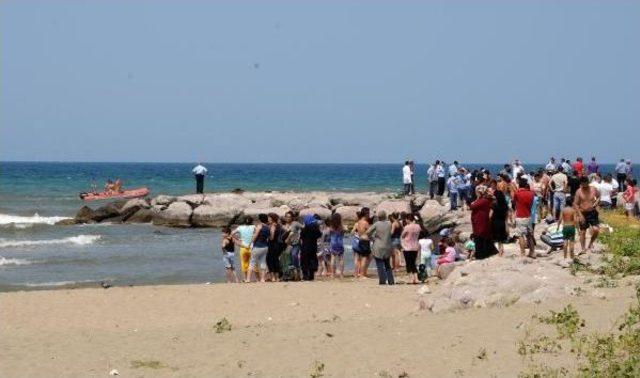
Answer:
[(149, 364), (612, 354), (567, 322), (223, 325), (623, 244)]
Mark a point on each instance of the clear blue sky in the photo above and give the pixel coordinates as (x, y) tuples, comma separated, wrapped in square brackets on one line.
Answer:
[(482, 81)]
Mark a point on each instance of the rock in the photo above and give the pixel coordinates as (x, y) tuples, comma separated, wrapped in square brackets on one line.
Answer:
[(84, 215), (322, 212), (212, 216), (194, 200), (137, 203), (432, 209), (66, 222), (178, 214), (394, 206), (369, 199), (227, 200), (141, 216), (424, 289), (114, 372), (349, 214), (107, 211), (163, 200), (419, 200), (445, 270), (464, 236), (598, 294), (254, 211)]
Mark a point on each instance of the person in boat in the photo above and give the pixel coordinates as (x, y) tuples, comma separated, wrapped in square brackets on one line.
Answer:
[(117, 186), (108, 187)]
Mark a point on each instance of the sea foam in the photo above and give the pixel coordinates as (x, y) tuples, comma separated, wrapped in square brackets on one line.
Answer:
[(22, 221), (5, 261), (76, 240)]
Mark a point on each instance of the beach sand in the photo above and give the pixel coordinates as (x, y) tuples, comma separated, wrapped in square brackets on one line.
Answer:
[(282, 329)]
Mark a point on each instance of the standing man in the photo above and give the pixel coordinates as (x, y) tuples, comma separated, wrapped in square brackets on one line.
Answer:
[(200, 172), (406, 178), (413, 183), (432, 176), (551, 165), (578, 167), (558, 182), (585, 202), (593, 167), (523, 199), (621, 173), (453, 169)]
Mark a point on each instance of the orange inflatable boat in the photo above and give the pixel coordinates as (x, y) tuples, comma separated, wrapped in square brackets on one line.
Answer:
[(131, 193)]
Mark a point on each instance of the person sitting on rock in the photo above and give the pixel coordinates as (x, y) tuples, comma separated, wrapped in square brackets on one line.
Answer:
[(449, 255)]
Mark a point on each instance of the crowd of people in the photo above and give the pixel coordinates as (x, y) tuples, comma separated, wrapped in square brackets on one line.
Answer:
[(505, 206)]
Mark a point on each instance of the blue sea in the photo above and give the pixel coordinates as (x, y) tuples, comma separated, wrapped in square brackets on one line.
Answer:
[(34, 253)]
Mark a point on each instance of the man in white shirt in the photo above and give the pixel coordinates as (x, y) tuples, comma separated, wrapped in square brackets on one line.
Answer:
[(517, 168), (453, 169), (199, 171), (406, 178), (551, 165), (559, 183)]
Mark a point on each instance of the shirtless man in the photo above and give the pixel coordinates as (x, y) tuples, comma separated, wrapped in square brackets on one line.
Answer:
[(362, 256), (585, 202)]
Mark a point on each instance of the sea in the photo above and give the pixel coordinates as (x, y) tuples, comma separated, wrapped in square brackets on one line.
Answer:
[(37, 254)]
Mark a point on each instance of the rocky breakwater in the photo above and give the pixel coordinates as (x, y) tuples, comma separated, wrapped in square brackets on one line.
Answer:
[(222, 209)]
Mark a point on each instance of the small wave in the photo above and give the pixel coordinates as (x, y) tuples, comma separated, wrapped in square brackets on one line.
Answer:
[(57, 283), (76, 240), (22, 222), (5, 261)]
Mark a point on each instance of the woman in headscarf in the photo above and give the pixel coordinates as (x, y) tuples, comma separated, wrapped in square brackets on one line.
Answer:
[(481, 224), (309, 247), (499, 214)]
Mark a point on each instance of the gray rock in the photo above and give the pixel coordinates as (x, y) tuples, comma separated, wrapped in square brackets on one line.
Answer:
[(212, 216), (66, 222), (163, 200), (194, 200), (136, 203), (178, 214), (254, 211), (419, 200), (141, 216), (107, 211), (323, 212), (394, 206), (349, 214), (84, 215)]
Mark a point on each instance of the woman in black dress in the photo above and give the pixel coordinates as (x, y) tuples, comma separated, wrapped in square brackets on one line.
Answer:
[(309, 247), (499, 214)]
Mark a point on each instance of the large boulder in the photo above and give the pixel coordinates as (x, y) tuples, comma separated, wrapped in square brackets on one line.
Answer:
[(394, 206), (163, 200), (135, 203), (214, 216), (419, 200), (368, 199), (178, 214), (84, 215), (349, 214), (105, 212), (194, 200), (253, 211), (141, 216), (322, 212), (432, 209)]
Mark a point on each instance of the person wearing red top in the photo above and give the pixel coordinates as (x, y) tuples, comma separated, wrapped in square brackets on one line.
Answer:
[(523, 199), (578, 167), (481, 224)]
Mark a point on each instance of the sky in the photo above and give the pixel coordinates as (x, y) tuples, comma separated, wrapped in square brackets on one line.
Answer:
[(325, 82)]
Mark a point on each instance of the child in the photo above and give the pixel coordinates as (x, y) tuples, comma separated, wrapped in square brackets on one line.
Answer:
[(336, 245), (449, 255), (426, 250), (228, 255), (568, 219), (324, 251)]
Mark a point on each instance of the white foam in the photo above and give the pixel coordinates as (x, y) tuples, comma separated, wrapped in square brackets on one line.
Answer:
[(57, 283), (22, 221), (5, 261), (76, 240)]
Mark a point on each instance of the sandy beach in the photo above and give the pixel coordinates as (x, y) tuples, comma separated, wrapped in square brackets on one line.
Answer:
[(283, 330)]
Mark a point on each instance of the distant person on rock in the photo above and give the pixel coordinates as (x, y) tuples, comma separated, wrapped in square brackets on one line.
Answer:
[(199, 171)]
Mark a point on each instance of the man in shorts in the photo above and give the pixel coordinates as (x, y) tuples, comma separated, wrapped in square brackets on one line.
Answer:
[(585, 202), (523, 199)]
